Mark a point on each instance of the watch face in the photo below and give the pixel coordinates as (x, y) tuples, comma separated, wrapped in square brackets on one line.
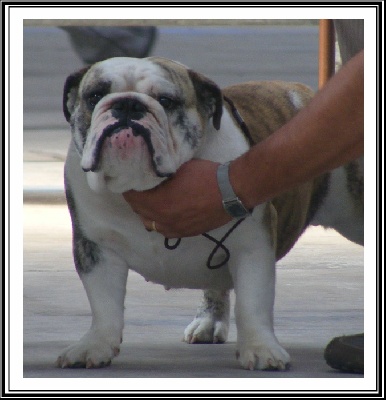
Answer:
[(236, 208)]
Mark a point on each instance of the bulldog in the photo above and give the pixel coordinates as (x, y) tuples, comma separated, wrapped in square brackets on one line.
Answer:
[(134, 122)]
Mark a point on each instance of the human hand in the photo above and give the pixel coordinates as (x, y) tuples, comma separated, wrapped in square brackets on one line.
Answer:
[(187, 204)]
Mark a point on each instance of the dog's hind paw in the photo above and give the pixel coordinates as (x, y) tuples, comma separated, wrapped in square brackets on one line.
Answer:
[(211, 323), (205, 330)]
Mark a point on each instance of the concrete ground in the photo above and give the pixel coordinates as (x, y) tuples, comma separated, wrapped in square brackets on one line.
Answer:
[(319, 284), (319, 295)]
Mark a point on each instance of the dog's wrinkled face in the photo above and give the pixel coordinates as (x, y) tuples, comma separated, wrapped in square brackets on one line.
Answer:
[(135, 121)]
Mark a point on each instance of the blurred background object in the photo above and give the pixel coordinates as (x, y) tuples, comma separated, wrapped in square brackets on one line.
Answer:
[(97, 43)]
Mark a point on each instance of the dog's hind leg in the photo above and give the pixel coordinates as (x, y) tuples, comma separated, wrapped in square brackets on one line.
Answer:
[(211, 323), (342, 206)]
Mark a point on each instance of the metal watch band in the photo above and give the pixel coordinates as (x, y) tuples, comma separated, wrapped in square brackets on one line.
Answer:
[(232, 204)]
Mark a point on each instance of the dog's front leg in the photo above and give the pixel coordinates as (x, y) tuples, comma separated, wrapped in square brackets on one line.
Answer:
[(105, 286), (253, 274)]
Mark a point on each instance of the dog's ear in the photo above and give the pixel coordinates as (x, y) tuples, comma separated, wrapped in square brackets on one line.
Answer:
[(70, 92), (209, 94)]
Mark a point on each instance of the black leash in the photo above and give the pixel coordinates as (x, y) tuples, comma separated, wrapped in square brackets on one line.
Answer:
[(220, 243)]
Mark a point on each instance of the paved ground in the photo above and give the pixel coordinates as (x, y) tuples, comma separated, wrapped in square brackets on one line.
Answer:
[(319, 284)]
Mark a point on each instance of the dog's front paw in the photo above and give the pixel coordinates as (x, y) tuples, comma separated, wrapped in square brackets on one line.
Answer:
[(263, 356), (206, 330), (92, 351)]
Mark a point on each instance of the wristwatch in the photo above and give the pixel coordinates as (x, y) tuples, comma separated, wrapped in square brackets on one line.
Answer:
[(232, 204)]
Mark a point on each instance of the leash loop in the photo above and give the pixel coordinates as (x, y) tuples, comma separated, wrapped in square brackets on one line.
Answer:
[(219, 245), (172, 246)]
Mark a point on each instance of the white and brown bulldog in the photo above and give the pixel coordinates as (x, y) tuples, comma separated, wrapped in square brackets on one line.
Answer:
[(134, 122)]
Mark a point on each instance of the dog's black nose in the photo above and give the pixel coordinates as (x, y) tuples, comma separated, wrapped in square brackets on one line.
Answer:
[(128, 109)]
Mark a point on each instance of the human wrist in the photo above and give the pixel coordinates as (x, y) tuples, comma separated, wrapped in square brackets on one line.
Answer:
[(230, 201), (238, 177)]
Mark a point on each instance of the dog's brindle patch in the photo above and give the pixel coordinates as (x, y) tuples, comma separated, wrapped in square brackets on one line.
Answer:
[(86, 253)]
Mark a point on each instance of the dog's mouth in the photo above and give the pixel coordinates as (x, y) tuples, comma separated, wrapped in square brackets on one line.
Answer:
[(137, 130)]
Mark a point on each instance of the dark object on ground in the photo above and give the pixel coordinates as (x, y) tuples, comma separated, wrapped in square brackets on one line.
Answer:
[(346, 353)]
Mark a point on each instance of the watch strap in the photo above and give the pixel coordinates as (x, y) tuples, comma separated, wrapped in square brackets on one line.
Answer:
[(232, 204)]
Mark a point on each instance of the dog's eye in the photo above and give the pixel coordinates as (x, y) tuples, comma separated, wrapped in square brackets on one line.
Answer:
[(93, 99), (166, 102)]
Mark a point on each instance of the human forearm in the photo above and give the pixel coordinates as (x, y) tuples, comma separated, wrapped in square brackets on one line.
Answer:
[(324, 135)]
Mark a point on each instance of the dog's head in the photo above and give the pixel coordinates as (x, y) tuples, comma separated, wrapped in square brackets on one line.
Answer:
[(136, 121)]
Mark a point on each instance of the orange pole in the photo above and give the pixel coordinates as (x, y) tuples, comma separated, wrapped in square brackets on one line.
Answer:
[(326, 50)]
